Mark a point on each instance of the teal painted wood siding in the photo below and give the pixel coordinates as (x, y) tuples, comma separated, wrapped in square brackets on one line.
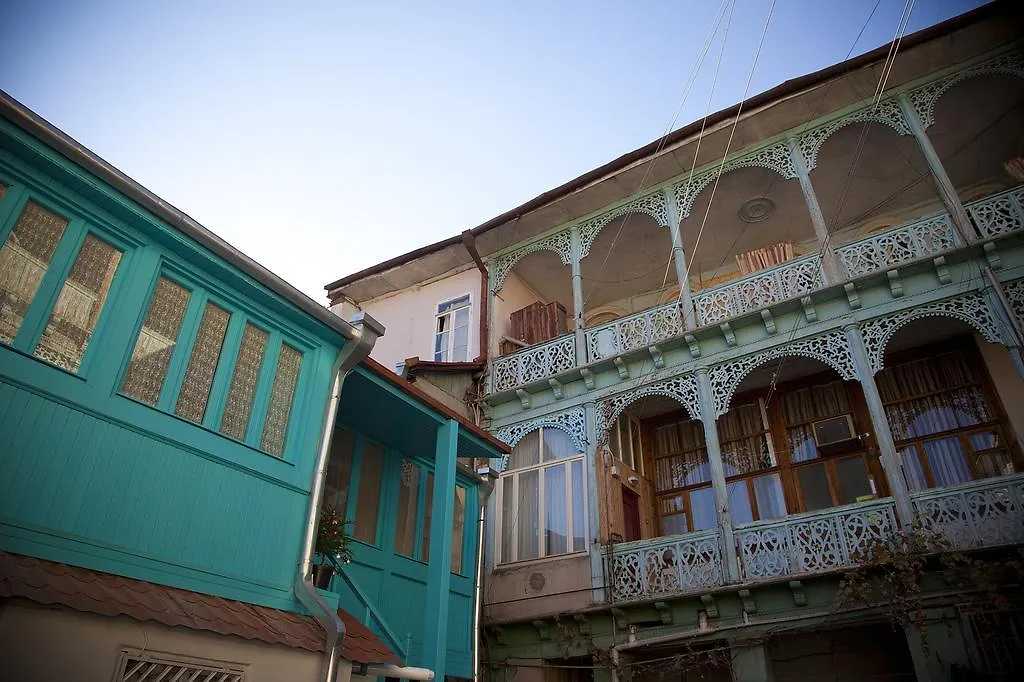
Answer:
[(93, 477)]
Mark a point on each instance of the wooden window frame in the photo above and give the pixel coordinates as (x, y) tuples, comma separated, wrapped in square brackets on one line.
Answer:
[(450, 313)]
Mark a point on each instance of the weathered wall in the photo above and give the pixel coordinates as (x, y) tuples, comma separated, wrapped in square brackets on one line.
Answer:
[(409, 317), (537, 588), (40, 644), (1007, 382), (514, 295)]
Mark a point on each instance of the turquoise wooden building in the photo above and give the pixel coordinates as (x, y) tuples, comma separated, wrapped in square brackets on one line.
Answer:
[(163, 400)]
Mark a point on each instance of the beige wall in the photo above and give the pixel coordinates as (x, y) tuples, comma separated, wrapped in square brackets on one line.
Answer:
[(45, 644), (408, 316), (1008, 383), (538, 588), (515, 295)]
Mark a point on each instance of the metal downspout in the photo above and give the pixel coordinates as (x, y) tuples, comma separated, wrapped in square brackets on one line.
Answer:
[(367, 331), (485, 492)]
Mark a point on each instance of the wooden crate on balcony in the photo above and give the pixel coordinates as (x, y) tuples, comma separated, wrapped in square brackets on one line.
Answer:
[(539, 322)]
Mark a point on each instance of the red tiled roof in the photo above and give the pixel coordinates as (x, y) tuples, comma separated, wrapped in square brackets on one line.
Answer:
[(82, 589)]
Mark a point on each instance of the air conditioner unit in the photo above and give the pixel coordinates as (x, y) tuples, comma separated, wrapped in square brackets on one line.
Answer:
[(836, 435)]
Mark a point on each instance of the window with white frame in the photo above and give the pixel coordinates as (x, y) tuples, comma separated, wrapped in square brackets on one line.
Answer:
[(451, 330), (542, 500)]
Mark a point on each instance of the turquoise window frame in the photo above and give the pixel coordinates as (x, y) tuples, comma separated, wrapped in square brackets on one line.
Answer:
[(201, 292), (79, 226)]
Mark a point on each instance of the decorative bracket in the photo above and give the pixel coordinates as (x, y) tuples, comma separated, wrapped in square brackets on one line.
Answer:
[(560, 243), (524, 398), (797, 589), (749, 605), (583, 623), (810, 312), (588, 378), (664, 611), (769, 322), (942, 270), (709, 605), (620, 365), (652, 204), (681, 388), (691, 341), (573, 421), (895, 283), (730, 337), (851, 295), (556, 388), (621, 620), (992, 256), (657, 357), (543, 633)]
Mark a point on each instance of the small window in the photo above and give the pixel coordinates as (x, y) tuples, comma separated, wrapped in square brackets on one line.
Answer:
[(281, 396), (458, 529), (147, 666), (368, 500), (155, 344), (243, 383), (451, 331), (408, 496), (195, 390)]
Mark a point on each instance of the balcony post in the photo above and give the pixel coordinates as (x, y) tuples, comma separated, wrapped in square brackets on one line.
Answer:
[(435, 626), (883, 435), (679, 259), (707, 411), (597, 571), (576, 248), (829, 264), (943, 185)]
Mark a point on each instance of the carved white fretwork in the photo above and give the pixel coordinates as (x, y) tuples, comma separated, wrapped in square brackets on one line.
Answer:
[(682, 388), (573, 421), (924, 98), (830, 348), (560, 243), (925, 237), (1015, 292), (775, 157), (886, 112), (999, 213), (652, 204), (970, 308)]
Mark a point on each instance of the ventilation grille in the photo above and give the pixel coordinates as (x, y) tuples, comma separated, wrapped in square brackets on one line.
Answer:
[(138, 667)]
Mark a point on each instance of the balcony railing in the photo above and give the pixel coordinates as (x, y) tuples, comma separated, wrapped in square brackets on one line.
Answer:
[(663, 566), (812, 542), (994, 215), (634, 331), (999, 213), (980, 514), (536, 362), (759, 289), (910, 241)]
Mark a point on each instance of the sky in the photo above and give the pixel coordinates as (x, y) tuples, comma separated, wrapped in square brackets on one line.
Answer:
[(323, 137)]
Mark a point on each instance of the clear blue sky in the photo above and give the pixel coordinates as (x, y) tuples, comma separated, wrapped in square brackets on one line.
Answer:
[(321, 138)]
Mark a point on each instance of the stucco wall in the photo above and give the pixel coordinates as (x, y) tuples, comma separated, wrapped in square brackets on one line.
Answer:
[(44, 644), (1008, 383), (514, 295), (409, 317), (538, 588)]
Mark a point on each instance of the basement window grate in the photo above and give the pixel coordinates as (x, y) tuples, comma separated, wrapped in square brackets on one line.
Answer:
[(138, 666)]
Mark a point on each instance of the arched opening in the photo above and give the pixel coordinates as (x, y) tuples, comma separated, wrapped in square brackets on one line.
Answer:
[(869, 175), (542, 498), (629, 265), (757, 219), (535, 303), (979, 134), (945, 390)]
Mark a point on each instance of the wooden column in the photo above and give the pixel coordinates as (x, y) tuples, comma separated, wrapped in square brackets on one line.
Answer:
[(828, 257), (679, 259), (943, 185), (707, 411), (576, 248), (883, 435), (435, 623)]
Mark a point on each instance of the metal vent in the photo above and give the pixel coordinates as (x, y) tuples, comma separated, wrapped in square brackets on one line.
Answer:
[(136, 666)]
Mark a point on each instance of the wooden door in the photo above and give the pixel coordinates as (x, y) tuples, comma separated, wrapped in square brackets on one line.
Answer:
[(630, 515)]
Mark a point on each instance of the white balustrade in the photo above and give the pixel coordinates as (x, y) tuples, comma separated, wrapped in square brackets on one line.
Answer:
[(535, 362), (978, 514), (759, 289), (811, 542), (664, 566), (634, 331), (999, 213), (908, 242)]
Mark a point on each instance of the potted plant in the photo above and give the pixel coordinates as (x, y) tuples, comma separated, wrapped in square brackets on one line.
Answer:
[(333, 546)]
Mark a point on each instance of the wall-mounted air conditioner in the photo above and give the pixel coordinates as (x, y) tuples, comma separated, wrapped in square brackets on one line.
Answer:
[(836, 435)]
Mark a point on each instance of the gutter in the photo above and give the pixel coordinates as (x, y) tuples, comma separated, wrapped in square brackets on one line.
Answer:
[(59, 141), (488, 475), (469, 241), (366, 331)]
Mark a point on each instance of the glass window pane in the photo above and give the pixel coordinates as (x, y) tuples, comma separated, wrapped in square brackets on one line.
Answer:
[(985, 440), (275, 428), (579, 540), (157, 338), (556, 532), (557, 444), (235, 421), (802, 445), (771, 503), (508, 518), (912, 468), (622, 426), (339, 472), (441, 347), (368, 499), (78, 306), (460, 344), (853, 479), (994, 463), (428, 508), (814, 486), (405, 525), (702, 508), (462, 318), (947, 461), (526, 452), (24, 259), (195, 389), (454, 303), (739, 502), (458, 528), (638, 460), (673, 515), (528, 517)]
